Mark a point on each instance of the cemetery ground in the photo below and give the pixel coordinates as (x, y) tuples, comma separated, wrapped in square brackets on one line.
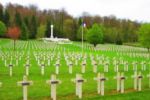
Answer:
[(36, 53)]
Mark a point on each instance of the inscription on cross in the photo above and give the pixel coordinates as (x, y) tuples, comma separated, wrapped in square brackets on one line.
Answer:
[(79, 82), (137, 80), (25, 83), (53, 82), (120, 82), (10, 69), (100, 83)]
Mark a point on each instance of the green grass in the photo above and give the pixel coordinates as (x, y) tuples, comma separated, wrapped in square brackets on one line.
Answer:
[(66, 90)]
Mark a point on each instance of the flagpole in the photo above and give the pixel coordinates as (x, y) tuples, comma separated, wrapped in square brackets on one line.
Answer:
[(83, 25)]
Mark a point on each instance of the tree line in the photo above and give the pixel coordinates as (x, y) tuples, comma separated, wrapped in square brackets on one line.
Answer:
[(34, 23)]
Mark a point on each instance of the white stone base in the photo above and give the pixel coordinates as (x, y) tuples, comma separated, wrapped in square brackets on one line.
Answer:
[(57, 40)]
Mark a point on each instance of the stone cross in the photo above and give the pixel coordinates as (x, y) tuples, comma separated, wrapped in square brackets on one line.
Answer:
[(70, 67), (134, 66), (53, 82), (25, 83), (5, 62), (125, 66), (143, 65), (27, 65), (116, 63), (100, 83), (94, 66), (83, 66), (78, 81), (120, 82), (42, 68), (106, 64), (17, 61), (48, 62), (137, 80), (10, 69), (57, 65)]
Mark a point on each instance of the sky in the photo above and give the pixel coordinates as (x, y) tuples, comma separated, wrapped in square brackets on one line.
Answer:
[(136, 10)]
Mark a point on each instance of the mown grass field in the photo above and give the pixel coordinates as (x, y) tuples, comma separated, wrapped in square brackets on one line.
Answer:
[(66, 90)]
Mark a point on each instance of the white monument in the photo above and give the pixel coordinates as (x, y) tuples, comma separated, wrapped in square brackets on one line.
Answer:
[(55, 39), (52, 32)]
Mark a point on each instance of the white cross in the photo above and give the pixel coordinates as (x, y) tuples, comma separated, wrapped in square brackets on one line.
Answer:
[(70, 67), (106, 64), (143, 65), (100, 83), (134, 66), (57, 65), (53, 82), (116, 63), (83, 66), (78, 81), (25, 83), (137, 80), (27, 68), (94, 66), (125, 66), (10, 69), (120, 82), (42, 68)]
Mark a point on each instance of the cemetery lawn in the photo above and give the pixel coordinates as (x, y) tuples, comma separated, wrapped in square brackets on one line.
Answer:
[(40, 90)]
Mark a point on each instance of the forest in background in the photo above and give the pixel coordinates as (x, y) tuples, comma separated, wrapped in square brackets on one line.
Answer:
[(35, 23)]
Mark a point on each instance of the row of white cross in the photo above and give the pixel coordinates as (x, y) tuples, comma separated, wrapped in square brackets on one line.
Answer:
[(70, 67), (79, 80)]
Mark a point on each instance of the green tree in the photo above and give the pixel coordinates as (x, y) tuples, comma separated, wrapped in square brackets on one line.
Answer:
[(24, 32), (79, 33), (119, 40), (48, 30), (1, 12), (6, 18), (18, 19), (144, 35), (34, 26), (2, 28), (68, 28), (41, 31), (95, 34)]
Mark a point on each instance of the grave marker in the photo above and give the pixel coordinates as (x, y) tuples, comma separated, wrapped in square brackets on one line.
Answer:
[(25, 83), (120, 82), (116, 63), (134, 66), (83, 66), (78, 81), (10, 69), (137, 80), (27, 65), (70, 67), (57, 65), (42, 68), (125, 66), (106, 64), (143, 64), (94, 66), (53, 82), (100, 83)]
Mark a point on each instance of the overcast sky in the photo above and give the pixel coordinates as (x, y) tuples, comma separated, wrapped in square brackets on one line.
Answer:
[(129, 9)]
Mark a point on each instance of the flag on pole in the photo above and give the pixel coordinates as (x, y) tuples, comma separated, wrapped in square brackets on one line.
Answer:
[(84, 24)]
